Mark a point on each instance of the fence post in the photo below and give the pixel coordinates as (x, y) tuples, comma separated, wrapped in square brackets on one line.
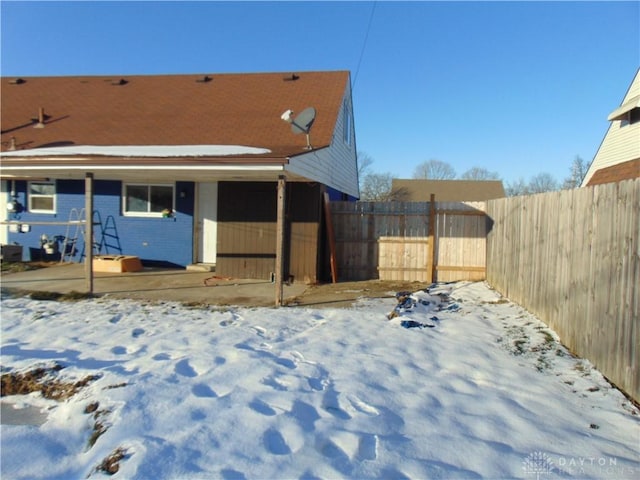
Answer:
[(332, 238), (280, 247), (432, 238)]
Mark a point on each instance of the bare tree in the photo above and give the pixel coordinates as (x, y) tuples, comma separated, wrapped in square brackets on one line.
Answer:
[(577, 172), (364, 163), (434, 170), (364, 166), (376, 187), (479, 173), (519, 187), (543, 182)]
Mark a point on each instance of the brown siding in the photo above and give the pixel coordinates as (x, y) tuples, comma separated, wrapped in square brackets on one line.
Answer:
[(304, 213), (247, 230)]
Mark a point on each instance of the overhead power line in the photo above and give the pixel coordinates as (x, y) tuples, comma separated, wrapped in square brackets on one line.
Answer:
[(364, 44)]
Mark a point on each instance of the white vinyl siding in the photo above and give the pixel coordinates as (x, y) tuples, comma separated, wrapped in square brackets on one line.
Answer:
[(622, 141)]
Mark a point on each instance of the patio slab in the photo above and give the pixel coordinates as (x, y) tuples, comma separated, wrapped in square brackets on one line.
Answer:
[(152, 284)]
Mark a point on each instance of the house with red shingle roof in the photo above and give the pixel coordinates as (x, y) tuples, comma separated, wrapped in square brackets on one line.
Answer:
[(185, 166)]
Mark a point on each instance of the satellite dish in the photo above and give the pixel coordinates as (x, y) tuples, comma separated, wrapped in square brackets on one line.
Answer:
[(303, 122)]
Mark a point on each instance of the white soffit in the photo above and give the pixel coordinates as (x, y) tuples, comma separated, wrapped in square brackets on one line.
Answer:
[(625, 108), (155, 151)]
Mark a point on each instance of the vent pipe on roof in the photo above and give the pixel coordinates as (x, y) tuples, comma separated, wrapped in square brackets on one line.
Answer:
[(40, 123), (12, 144), (291, 78), (204, 79), (122, 81)]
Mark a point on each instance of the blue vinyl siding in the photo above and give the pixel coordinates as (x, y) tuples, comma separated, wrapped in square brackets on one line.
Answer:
[(154, 240), (337, 196)]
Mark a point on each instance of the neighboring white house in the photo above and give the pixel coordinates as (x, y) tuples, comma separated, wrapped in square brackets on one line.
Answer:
[(618, 157)]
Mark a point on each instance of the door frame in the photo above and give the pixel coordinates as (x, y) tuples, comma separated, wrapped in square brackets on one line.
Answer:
[(206, 222)]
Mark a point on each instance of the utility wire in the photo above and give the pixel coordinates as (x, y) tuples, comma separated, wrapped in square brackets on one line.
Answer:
[(364, 45)]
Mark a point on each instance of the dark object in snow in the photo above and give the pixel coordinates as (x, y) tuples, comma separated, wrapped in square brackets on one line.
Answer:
[(414, 324), (405, 302), (444, 297), (111, 464)]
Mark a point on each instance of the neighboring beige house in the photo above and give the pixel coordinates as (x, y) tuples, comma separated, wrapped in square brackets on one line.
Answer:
[(618, 157), (446, 190)]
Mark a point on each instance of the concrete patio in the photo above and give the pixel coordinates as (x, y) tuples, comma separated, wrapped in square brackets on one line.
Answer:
[(151, 284)]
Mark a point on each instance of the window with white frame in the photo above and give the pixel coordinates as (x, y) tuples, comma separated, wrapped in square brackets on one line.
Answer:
[(147, 200), (346, 122), (42, 197)]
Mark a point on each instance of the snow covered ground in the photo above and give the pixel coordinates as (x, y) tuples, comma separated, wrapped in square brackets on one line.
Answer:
[(476, 388)]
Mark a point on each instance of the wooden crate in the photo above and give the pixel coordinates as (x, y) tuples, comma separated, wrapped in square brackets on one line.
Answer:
[(116, 263)]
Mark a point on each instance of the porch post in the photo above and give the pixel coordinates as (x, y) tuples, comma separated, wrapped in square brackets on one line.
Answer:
[(88, 229), (280, 227)]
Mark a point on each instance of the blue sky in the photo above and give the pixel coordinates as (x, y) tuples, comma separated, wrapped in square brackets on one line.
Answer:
[(520, 88)]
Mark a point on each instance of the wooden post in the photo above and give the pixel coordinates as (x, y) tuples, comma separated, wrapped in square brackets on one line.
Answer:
[(433, 251), (332, 239), (88, 228), (280, 229)]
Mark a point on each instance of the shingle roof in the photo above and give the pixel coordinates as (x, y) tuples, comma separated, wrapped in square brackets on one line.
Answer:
[(216, 109), (415, 190), (616, 173)]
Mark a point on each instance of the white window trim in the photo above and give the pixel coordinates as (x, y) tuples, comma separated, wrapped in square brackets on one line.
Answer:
[(346, 114), (30, 196), (126, 213)]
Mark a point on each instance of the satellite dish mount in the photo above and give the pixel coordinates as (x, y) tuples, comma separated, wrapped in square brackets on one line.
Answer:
[(301, 123)]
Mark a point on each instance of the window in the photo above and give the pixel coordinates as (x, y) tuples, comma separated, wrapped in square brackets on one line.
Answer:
[(629, 118), (42, 197), (346, 122), (147, 200)]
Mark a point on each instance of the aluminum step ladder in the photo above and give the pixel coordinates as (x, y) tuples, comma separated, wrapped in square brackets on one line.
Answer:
[(76, 223), (70, 243)]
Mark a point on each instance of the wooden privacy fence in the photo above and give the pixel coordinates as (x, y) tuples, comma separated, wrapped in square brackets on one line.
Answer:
[(573, 259), (410, 241)]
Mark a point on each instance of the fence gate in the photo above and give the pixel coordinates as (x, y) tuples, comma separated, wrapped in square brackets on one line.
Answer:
[(410, 241)]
